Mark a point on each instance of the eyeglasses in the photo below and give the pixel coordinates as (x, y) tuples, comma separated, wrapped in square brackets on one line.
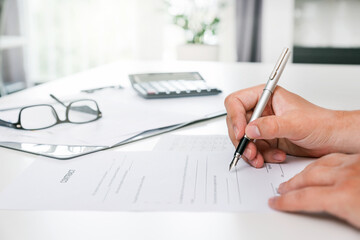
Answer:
[(42, 116)]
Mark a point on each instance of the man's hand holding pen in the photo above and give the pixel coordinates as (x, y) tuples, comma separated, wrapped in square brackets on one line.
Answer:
[(291, 125)]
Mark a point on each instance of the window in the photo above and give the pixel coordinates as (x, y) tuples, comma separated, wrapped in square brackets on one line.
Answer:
[(67, 36)]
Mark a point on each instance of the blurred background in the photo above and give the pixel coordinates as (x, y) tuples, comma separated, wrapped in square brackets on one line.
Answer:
[(42, 40)]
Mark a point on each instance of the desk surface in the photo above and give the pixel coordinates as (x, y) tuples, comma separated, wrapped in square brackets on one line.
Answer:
[(329, 86)]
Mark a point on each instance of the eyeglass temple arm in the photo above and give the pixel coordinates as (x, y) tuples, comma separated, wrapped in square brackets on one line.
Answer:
[(84, 109), (56, 99), (7, 124)]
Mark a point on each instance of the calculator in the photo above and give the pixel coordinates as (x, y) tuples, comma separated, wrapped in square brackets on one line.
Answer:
[(170, 85)]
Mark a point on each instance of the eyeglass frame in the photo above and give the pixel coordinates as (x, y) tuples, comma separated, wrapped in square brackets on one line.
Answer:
[(18, 124)]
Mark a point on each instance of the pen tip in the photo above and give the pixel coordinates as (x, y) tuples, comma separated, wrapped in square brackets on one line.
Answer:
[(234, 161), (231, 165)]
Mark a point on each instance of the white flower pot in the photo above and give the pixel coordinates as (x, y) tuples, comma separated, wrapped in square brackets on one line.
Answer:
[(198, 52)]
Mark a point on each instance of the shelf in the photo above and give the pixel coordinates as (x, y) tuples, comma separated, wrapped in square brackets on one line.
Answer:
[(8, 42)]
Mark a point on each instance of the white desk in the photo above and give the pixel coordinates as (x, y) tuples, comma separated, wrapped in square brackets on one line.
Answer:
[(329, 86)]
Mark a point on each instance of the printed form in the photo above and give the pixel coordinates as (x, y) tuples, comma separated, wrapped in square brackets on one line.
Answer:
[(183, 173)]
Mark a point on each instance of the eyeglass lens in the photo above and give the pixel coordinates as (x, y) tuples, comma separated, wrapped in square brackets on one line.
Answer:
[(44, 116), (83, 111), (37, 117)]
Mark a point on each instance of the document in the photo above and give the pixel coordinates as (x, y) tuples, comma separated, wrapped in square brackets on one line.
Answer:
[(198, 143), (124, 113), (161, 180)]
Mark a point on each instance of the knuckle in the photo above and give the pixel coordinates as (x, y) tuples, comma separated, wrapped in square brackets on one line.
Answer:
[(228, 119), (314, 171), (310, 166), (281, 202), (347, 172), (341, 187), (289, 185), (285, 202), (301, 195), (332, 156), (348, 185), (228, 100), (276, 125), (271, 124), (344, 192)]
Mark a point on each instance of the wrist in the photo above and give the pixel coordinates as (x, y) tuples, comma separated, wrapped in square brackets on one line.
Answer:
[(346, 131)]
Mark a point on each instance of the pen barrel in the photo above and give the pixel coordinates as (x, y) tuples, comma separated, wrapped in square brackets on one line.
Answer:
[(242, 145), (260, 106)]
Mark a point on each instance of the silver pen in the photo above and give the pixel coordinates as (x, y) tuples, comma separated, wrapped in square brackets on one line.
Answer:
[(265, 96)]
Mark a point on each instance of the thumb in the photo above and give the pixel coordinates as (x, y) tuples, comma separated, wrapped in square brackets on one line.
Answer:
[(271, 127)]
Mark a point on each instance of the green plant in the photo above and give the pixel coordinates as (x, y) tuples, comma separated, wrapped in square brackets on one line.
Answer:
[(199, 19)]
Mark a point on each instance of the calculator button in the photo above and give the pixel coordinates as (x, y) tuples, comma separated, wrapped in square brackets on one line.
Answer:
[(190, 87), (167, 85), (159, 88), (179, 88), (184, 87), (194, 86), (202, 85), (140, 89), (149, 89)]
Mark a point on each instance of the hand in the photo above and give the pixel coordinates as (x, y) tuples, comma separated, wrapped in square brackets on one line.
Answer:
[(330, 184), (289, 125)]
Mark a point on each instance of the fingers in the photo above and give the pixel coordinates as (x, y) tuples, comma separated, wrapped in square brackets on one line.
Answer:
[(238, 106), (271, 127), (253, 156), (310, 199), (331, 160), (270, 154), (257, 154), (312, 192), (322, 172), (313, 176), (236, 117), (231, 132)]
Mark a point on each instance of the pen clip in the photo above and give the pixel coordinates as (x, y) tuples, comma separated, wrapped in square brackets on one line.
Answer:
[(279, 62)]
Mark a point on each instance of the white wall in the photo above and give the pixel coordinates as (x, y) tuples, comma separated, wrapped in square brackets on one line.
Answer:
[(324, 23), (277, 29), (227, 33), (330, 23)]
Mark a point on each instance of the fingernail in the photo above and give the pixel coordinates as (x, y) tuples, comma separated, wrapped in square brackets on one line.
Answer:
[(236, 132), (281, 188), (247, 153), (253, 131), (254, 162), (272, 201), (278, 157)]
